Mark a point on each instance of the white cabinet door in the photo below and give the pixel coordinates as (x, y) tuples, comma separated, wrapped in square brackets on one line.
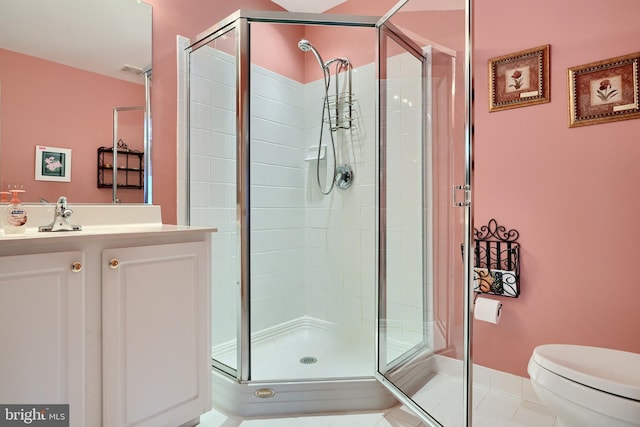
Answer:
[(42, 329), (156, 340)]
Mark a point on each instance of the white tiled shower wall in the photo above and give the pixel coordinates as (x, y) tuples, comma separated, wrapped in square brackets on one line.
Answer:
[(340, 228), (311, 255), (277, 199)]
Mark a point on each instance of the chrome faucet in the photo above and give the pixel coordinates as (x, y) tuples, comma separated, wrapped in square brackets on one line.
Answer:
[(62, 209), (61, 218)]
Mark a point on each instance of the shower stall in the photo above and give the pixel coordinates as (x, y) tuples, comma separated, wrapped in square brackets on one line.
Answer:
[(325, 148)]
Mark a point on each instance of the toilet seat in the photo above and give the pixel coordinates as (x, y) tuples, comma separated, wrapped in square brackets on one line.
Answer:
[(610, 371)]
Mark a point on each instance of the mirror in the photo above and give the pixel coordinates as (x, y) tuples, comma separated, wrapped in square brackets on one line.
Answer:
[(64, 67)]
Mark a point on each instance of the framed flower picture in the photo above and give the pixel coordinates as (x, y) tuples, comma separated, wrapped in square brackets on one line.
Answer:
[(519, 79), (53, 164), (604, 91)]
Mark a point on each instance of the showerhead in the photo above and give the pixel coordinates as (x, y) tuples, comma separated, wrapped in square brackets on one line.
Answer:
[(305, 46)]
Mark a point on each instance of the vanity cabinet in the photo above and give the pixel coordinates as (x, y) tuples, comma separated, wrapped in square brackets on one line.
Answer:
[(42, 330), (117, 325), (155, 305)]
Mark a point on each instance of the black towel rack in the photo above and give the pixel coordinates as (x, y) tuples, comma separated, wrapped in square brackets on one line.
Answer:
[(496, 260)]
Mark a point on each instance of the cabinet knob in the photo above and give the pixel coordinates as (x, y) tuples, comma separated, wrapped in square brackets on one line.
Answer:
[(76, 267), (114, 263)]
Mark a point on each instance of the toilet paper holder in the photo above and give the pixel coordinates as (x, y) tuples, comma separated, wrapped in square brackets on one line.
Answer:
[(496, 264), (486, 309)]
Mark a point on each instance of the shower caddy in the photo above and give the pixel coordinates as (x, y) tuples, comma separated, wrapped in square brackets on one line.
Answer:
[(339, 114)]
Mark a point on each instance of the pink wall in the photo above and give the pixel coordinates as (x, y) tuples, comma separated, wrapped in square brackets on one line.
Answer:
[(570, 192), (44, 103)]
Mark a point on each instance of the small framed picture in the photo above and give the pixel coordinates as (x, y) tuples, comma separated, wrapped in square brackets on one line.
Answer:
[(519, 79), (53, 164), (604, 91)]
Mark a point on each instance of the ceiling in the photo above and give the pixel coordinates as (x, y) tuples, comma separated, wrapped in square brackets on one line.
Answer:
[(101, 36), (310, 6), (318, 6)]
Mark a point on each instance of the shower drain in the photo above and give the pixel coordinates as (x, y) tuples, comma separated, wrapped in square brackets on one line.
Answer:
[(308, 360)]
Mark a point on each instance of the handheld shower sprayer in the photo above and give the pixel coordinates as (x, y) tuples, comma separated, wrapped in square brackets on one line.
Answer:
[(306, 46), (342, 176)]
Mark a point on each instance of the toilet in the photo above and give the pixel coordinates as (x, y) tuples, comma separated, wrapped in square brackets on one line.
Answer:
[(587, 386)]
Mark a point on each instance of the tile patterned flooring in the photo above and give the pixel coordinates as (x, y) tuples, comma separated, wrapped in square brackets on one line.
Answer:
[(491, 409)]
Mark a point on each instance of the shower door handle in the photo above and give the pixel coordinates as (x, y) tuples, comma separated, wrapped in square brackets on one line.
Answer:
[(467, 196)]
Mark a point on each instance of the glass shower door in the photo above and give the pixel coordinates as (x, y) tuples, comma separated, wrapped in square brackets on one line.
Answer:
[(404, 193), (421, 320), (213, 172)]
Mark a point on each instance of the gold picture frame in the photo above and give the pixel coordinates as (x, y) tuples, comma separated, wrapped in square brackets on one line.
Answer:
[(519, 79), (604, 91)]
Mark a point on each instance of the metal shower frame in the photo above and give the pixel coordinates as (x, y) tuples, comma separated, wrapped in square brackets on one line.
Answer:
[(240, 21)]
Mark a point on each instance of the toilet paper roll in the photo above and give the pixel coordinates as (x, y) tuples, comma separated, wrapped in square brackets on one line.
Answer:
[(487, 310)]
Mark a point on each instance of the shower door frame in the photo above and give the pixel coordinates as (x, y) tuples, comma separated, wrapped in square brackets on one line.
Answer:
[(240, 22), (389, 31), (386, 29)]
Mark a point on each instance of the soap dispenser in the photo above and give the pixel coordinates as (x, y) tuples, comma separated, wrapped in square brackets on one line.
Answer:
[(15, 215)]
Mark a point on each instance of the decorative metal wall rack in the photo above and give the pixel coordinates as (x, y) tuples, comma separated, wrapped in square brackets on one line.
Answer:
[(130, 168), (496, 260)]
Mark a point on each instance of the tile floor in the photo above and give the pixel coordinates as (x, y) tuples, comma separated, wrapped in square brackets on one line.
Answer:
[(491, 409)]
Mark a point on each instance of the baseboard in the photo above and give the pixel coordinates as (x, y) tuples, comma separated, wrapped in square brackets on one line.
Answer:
[(492, 379)]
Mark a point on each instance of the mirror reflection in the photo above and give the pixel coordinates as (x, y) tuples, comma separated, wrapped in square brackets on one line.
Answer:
[(65, 66)]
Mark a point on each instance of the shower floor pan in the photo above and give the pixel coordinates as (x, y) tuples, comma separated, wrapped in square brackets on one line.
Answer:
[(304, 366)]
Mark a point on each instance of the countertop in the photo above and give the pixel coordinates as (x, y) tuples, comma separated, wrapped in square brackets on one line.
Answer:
[(99, 220)]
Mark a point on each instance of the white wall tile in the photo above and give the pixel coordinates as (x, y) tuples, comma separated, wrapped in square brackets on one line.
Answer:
[(200, 116), (268, 218), (274, 240), (222, 145), (199, 142), (278, 176), (221, 171), (273, 86), (201, 64), (223, 95), (222, 120), (200, 90), (200, 168), (268, 152)]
